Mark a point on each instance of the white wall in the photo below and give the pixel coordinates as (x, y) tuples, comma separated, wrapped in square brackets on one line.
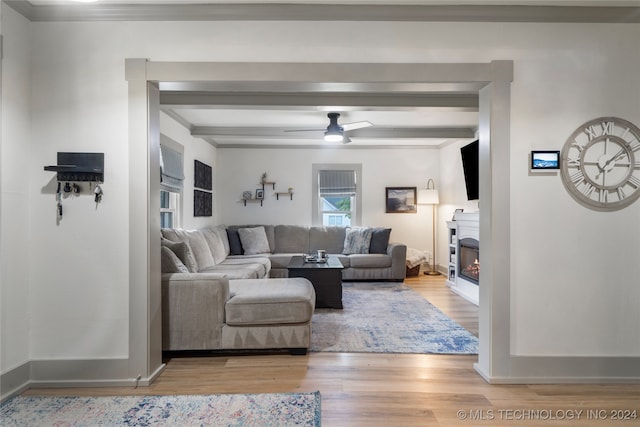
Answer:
[(14, 192), (194, 149), (574, 279), (241, 169)]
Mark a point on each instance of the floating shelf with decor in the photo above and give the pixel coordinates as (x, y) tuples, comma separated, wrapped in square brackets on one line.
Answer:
[(288, 193)]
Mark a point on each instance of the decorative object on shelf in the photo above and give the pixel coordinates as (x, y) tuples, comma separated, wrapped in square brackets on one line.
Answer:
[(456, 212), (260, 193), (246, 195), (400, 200), (600, 167), (429, 196), (264, 181)]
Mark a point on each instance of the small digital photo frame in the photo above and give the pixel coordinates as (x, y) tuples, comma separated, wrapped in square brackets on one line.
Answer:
[(545, 160)]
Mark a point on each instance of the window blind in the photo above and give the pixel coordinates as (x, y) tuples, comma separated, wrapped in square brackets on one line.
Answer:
[(337, 181), (171, 169)]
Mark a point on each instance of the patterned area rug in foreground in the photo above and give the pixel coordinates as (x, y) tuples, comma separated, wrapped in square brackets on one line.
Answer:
[(387, 318), (281, 409)]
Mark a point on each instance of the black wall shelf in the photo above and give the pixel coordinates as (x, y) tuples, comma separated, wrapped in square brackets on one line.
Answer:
[(79, 167)]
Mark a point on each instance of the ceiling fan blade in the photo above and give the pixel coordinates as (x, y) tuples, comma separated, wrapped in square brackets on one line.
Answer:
[(356, 125), (305, 130)]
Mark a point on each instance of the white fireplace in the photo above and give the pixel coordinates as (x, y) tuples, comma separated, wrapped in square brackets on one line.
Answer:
[(464, 256)]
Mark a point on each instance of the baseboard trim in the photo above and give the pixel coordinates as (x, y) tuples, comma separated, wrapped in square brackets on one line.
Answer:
[(14, 381), (71, 373), (568, 370)]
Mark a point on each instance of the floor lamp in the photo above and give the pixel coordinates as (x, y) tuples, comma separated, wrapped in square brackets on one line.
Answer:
[(429, 196)]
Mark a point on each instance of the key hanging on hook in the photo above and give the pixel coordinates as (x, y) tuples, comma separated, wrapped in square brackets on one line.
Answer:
[(59, 202), (98, 193)]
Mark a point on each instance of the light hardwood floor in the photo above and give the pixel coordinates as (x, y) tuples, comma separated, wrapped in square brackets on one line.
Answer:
[(395, 389)]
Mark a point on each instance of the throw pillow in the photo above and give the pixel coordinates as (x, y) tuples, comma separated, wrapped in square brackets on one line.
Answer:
[(254, 240), (199, 248), (235, 246), (216, 246), (379, 240), (357, 241), (170, 262), (183, 251)]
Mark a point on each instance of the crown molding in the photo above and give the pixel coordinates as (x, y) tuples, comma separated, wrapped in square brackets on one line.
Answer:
[(333, 12)]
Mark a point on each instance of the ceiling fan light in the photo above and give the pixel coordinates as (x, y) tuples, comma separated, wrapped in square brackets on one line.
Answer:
[(332, 136)]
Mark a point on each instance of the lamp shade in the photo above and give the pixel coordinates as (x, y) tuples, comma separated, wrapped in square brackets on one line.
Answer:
[(428, 197)]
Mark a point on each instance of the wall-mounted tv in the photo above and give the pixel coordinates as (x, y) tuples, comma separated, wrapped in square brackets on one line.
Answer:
[(470, 166)]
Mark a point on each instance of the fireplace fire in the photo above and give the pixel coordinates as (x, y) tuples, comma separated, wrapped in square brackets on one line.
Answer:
[(469, 260)]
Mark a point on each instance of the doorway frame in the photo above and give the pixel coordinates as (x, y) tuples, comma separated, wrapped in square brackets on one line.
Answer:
[(493, 80)]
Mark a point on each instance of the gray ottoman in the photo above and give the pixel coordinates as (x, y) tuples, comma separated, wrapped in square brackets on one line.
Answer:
[(268, 314)]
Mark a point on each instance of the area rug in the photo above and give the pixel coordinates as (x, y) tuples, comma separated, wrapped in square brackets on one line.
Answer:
[(387, 318), (281, 409)]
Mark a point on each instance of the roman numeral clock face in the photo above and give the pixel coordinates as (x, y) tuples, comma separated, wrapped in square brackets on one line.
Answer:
[(600, 165)]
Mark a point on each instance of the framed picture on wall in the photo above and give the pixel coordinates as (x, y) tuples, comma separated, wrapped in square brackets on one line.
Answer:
[(202, 176), (202, 203), (259, 193), (401, 199)]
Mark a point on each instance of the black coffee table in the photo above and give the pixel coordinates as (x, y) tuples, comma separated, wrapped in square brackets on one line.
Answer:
[(326, 278)]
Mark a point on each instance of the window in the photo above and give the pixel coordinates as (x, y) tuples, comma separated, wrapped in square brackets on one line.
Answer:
[(169, 212), (171, 178), (336, 195)]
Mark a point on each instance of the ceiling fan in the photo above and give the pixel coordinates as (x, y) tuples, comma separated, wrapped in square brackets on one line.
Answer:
[(335, 132)]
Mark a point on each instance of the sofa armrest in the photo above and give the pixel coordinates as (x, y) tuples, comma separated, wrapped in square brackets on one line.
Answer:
[(398, 253), (193, 310)]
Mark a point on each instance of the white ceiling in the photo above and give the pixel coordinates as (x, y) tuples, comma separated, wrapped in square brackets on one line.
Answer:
[(256, 117), (280, 117), (610, 3)]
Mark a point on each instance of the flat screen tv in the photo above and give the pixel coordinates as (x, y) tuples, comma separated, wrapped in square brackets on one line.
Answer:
[(470, 167)]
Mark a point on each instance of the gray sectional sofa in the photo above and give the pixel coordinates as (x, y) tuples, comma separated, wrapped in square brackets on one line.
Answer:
[(226, 288)]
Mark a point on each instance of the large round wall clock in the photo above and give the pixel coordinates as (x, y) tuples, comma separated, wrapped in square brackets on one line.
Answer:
[(600, 164)]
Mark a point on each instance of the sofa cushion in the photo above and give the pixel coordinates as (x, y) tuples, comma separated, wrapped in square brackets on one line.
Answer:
[(170, 263), (197, 244), (370, 261), (331, 239), (216, 245), (259, 262), (270, 301), (379, 240), (235, 246), (241, 271), (291, 239), (199, 247), (357, 240), (268, 229), (183, 251), (254, 240)]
